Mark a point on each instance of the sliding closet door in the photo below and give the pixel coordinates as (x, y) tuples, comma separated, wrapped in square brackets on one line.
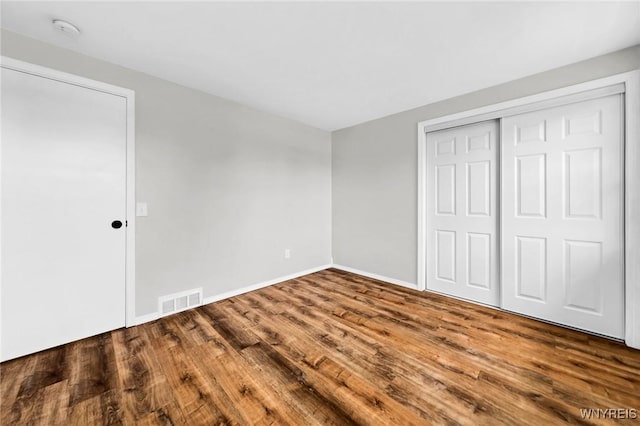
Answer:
[(461, 212), (562, 215)]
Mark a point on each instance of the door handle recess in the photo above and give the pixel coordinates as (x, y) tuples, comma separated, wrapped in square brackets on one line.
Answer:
[(116, 224)]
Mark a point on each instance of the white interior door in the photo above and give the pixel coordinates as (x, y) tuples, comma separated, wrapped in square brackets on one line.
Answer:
[(562, 215), (63, 184), (462, 207)]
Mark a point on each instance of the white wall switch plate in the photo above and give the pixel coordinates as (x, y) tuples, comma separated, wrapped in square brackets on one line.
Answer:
[(141, 209), (287, 253)]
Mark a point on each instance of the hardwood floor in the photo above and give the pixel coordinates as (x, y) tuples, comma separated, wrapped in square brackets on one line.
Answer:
[(327, 348)]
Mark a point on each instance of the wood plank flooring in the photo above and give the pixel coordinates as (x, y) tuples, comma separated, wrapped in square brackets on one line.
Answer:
[(327, 348)]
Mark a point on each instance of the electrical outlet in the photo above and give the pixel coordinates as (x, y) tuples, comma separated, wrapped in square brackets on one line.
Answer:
[(287, 253)]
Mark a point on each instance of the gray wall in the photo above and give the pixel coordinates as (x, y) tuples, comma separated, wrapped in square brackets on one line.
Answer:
[(228, 187), (374, 168)]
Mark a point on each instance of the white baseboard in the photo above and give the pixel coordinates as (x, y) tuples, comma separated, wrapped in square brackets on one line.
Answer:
[(376, 276), (155, 315), (263, 284), (146, 318)]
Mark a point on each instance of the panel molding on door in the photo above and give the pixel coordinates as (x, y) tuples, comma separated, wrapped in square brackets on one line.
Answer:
[(461, 212), (562, 232), (580, 203)]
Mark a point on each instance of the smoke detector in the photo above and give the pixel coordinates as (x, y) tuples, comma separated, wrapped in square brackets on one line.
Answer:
[(66, 27)]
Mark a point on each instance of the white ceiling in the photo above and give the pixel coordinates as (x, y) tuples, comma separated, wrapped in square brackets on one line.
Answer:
[(333, 65)]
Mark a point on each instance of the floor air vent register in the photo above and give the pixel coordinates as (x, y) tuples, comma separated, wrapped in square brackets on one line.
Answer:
[(177, 302)]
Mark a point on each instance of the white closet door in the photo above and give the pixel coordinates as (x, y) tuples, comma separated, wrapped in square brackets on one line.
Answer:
[(562, 215), (461, 212), (63, 184)]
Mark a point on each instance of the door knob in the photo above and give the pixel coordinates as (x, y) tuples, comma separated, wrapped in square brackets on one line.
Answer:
[(116, 224)]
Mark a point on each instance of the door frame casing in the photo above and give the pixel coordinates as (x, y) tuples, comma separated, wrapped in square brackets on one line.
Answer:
[(130, 228), (630, 82)]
